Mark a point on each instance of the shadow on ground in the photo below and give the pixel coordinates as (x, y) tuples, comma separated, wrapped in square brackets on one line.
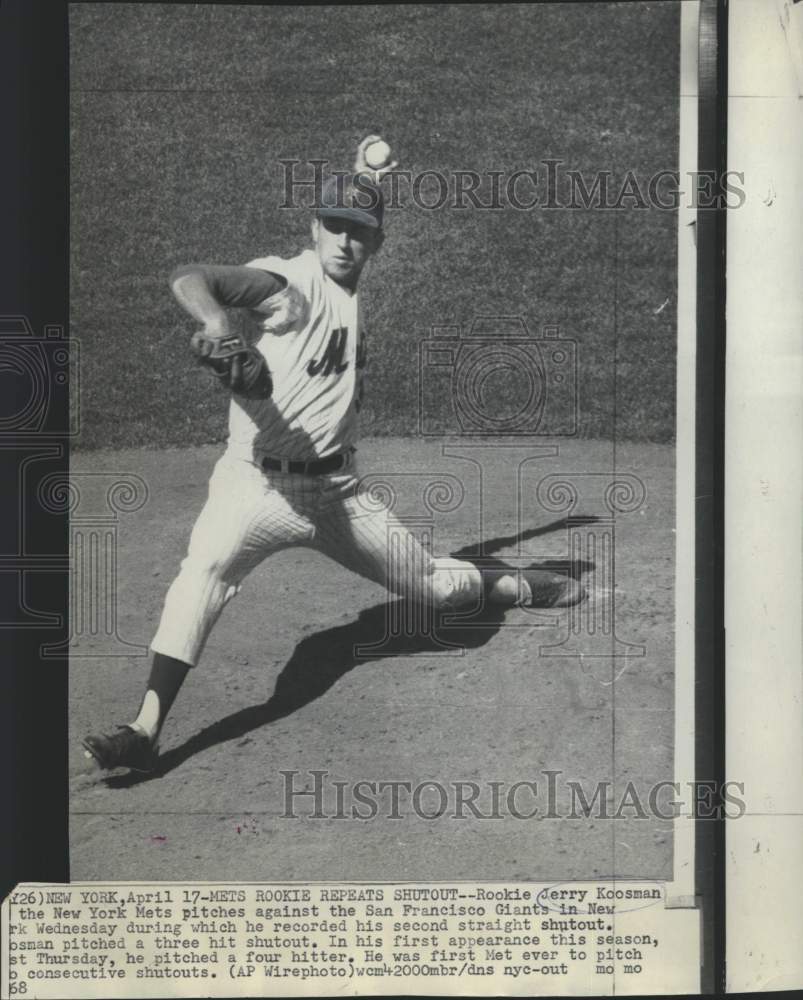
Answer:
[(320, 660)]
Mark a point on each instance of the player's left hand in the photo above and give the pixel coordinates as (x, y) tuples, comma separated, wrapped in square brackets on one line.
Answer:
[(237, 365)]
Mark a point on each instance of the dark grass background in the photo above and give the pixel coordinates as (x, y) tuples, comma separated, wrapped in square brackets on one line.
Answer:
[(180, 114)]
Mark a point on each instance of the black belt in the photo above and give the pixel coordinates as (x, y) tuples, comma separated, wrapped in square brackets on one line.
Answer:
[(318, 467)]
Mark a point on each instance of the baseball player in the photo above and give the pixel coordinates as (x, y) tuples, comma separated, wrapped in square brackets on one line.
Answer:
[(288, 474)]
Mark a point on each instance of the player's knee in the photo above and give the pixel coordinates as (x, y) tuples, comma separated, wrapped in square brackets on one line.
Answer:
[(454, 584), (209, 574)]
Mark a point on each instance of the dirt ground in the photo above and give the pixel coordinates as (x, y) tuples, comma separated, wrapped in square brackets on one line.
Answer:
[(280, 689)]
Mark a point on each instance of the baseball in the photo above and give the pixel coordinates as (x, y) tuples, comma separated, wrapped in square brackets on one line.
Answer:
[(377, 154)]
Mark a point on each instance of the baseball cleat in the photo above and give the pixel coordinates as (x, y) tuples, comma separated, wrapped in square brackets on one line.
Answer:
[(552, 590), (125, 748)]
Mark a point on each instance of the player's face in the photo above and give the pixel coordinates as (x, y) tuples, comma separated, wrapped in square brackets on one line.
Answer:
[(344, 247)]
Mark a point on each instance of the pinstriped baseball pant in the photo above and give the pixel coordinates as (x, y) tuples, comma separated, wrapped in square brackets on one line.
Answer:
[(250, 514)]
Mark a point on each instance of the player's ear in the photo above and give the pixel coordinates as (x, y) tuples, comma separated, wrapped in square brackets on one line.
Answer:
[(379, 239), (314, 226)]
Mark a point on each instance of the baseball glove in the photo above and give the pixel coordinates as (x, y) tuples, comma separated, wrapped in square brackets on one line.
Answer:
[(238, 366)]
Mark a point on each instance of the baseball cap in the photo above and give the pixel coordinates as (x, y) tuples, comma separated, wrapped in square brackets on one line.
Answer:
[(352, 196)]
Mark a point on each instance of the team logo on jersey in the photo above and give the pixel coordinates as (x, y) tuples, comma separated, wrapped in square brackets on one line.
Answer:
[(332, 358)]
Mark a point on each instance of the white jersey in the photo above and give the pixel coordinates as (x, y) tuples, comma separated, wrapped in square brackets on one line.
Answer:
[(311, 337)]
